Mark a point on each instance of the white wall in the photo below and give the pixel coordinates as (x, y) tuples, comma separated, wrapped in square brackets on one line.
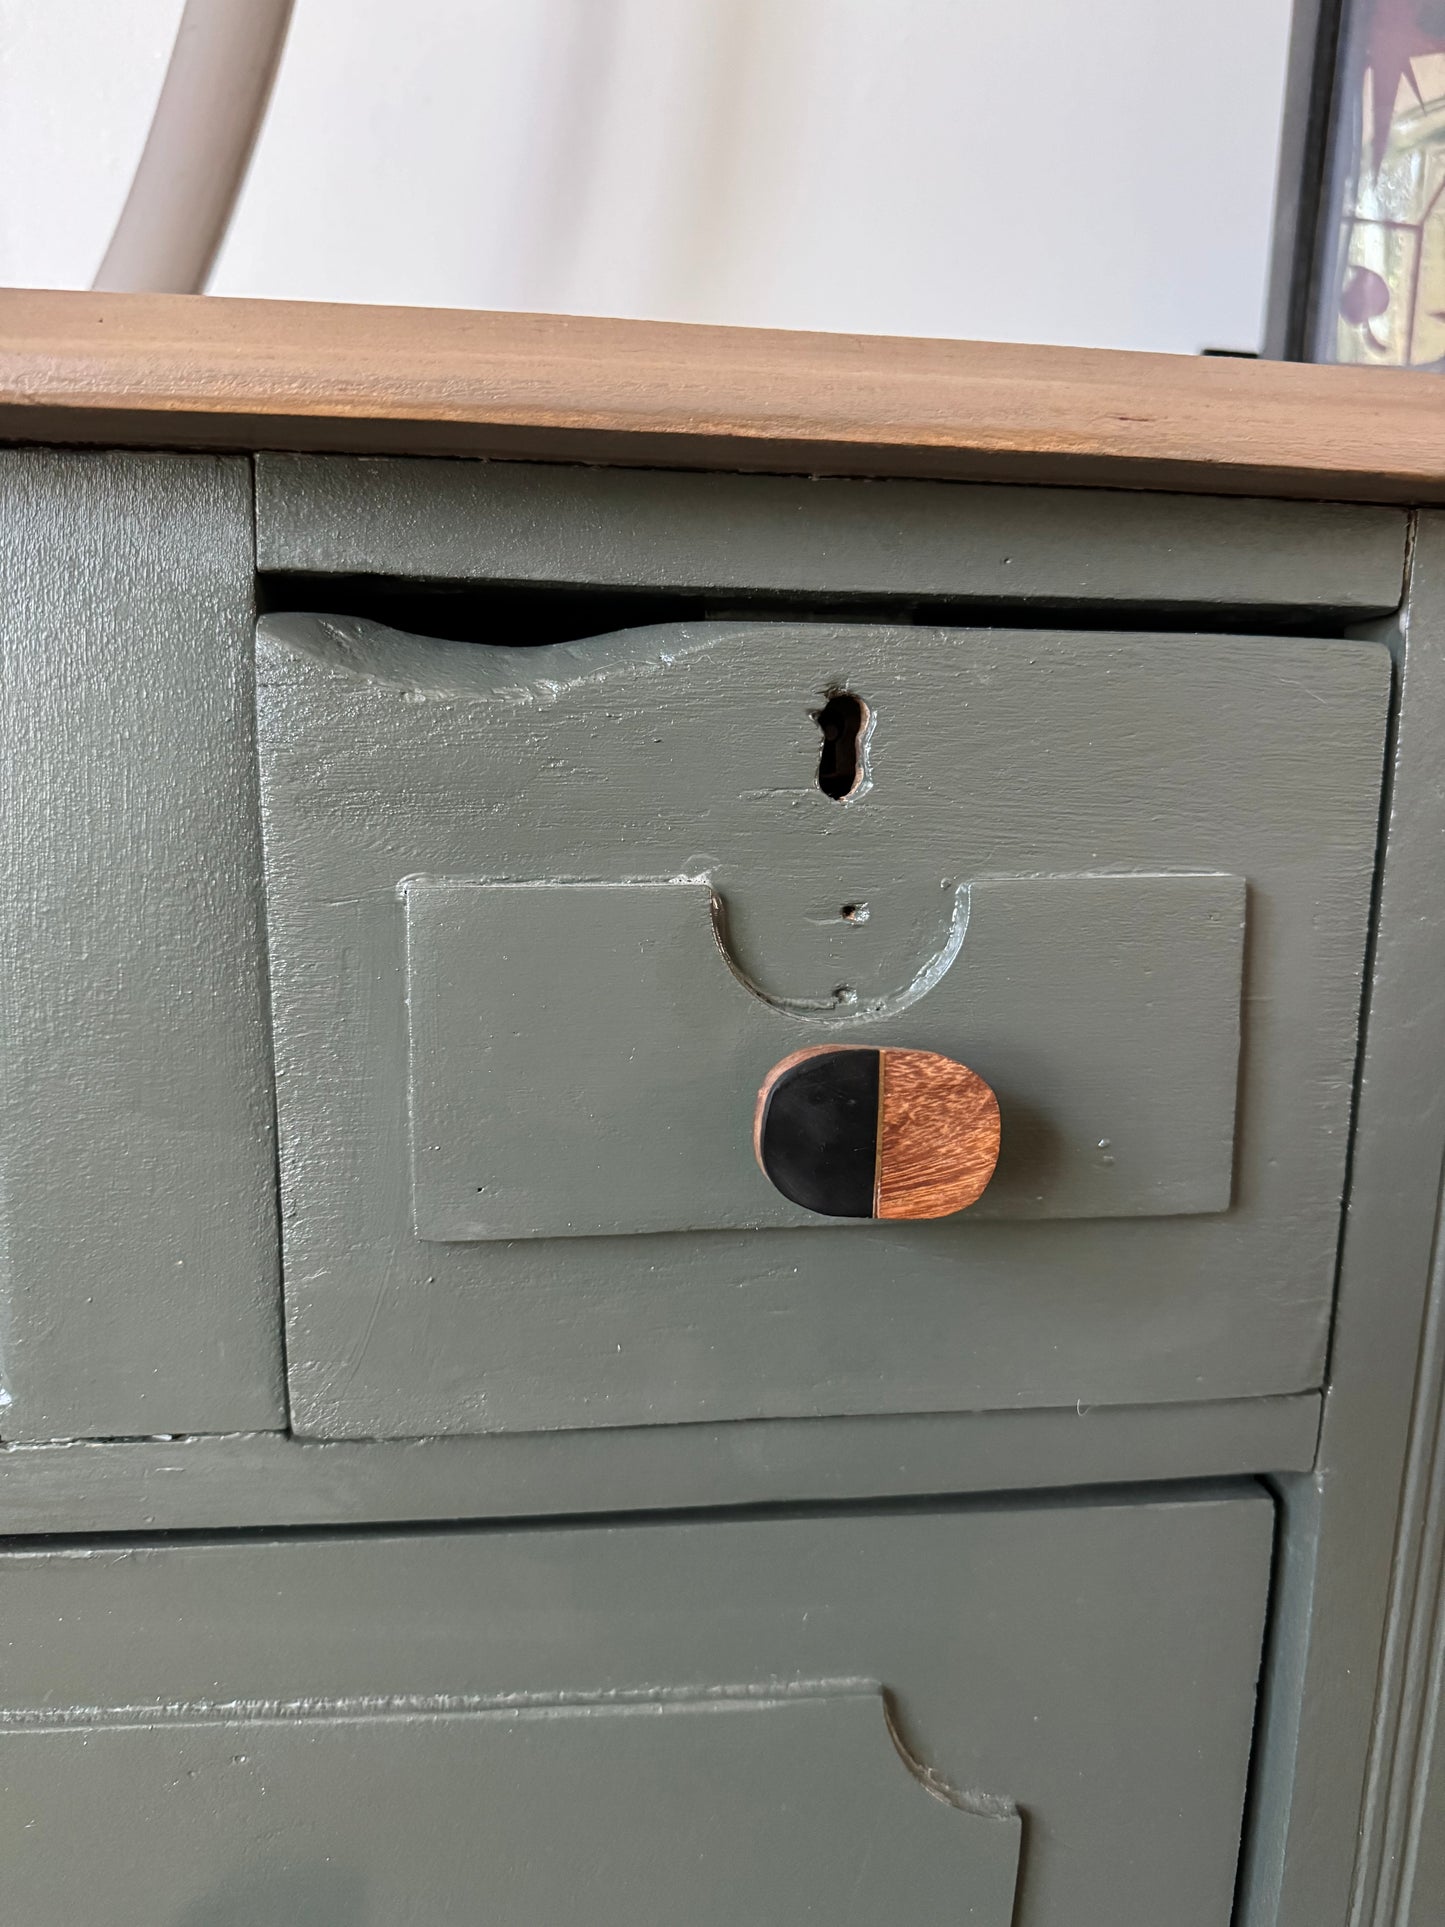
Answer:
[(1052, 171), (78, 83)]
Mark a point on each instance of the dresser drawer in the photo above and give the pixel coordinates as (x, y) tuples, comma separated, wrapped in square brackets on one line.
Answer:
[(1014, 1716), (542, 921)]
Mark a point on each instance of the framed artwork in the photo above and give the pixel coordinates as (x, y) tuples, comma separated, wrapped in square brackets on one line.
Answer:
[(1360, 217)]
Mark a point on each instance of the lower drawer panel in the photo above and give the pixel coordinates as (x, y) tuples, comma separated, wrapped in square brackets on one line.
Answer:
[(706, 1811), (1016, 1715)]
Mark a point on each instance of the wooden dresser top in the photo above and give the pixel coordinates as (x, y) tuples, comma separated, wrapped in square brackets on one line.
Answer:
[(173, 371)]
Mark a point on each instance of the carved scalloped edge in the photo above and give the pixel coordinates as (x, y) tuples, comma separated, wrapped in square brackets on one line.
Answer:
[(440, 669), (828, 1010), (983, 1806)]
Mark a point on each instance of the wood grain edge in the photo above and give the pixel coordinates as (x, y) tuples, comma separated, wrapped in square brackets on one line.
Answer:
[(167, 370), (938, 1136)]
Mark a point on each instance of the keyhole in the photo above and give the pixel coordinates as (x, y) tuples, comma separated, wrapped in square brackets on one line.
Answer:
[(842, 721)]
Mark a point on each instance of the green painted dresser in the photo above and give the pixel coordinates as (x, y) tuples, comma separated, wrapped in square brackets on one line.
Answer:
[(442, 1481)]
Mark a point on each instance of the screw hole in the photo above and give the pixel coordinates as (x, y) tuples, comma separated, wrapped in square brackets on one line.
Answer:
[(854, 913), (842, 721)]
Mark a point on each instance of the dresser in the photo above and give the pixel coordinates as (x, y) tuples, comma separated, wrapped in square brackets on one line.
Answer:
[(452, 763)]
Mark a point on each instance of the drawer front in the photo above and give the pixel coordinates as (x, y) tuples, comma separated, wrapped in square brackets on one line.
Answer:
[(541, 921), (1015, 1717)]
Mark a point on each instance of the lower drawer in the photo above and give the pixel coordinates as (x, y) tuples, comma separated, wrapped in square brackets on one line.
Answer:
[(1015, 1715)]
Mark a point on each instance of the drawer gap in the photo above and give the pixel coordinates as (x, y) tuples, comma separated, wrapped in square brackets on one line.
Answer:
[(525, 614)]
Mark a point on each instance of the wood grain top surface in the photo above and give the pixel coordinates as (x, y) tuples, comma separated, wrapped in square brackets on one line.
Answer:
[(199, 371)]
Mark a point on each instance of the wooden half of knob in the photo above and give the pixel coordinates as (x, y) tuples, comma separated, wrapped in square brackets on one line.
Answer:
[(870, 1133)]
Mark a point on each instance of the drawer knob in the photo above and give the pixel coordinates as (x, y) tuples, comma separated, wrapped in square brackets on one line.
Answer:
[(870, 1133)]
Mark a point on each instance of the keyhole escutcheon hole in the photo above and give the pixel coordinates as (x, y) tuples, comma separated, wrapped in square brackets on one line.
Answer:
[(843, 723)]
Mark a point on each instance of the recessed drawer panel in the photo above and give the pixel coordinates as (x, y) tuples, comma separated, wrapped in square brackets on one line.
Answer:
[(705, 1810), (631, 1124), (1011, 1717), (543, 921)]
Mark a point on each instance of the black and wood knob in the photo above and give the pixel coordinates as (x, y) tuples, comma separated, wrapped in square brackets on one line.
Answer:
[(876, 1133)]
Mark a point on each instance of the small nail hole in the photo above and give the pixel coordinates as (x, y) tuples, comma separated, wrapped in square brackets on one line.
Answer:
[(841, 721), (854, 913)]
